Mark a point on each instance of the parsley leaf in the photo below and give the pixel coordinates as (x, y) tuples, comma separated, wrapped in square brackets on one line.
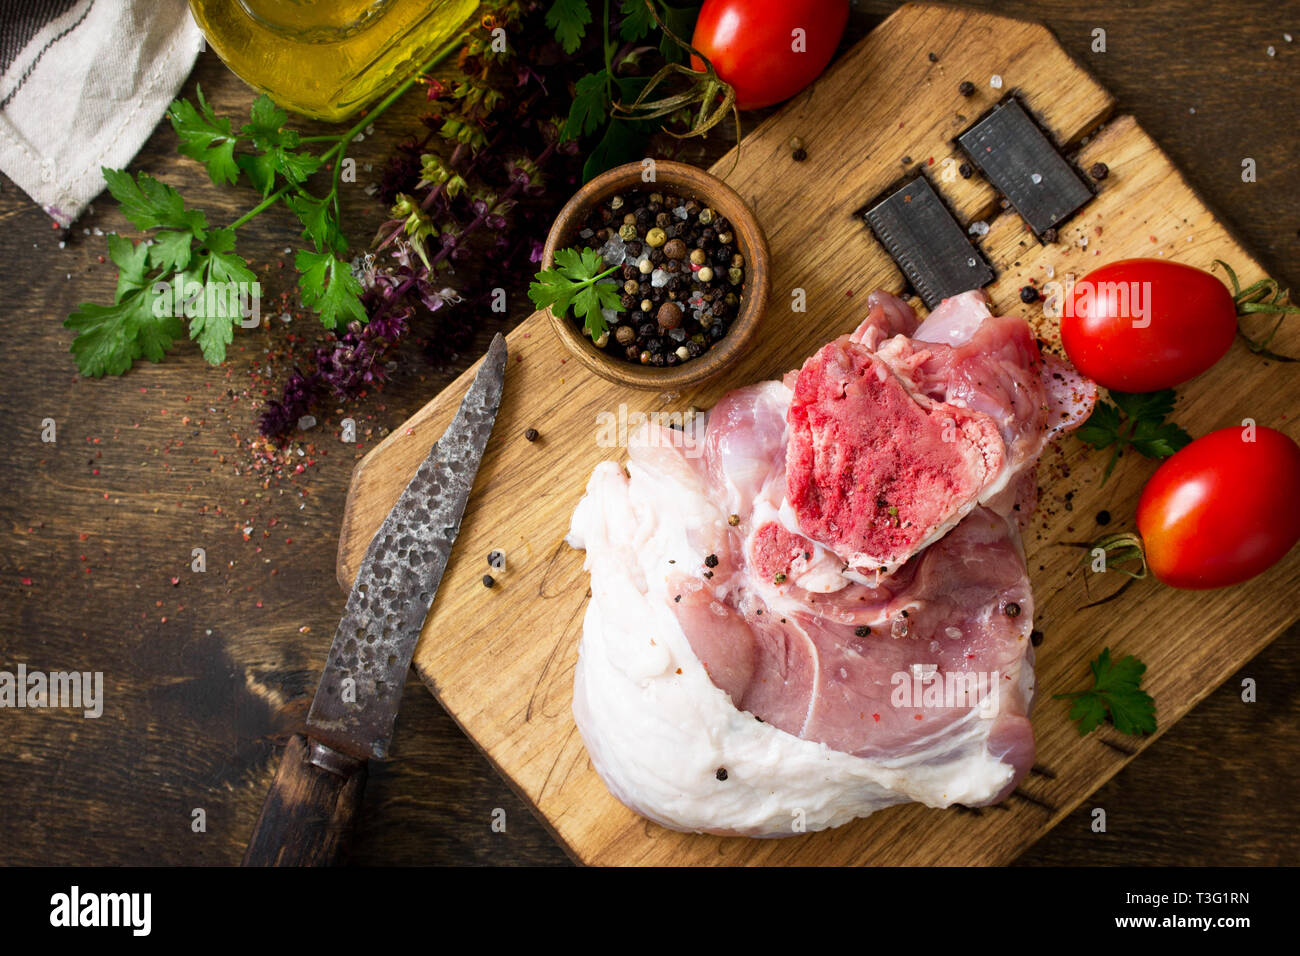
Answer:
[(131, 260), (265, 125), (1134, 421), (170, 251), (260, 170), (328, 286), (149, 204), (569, 19), (1116, 693), (589, 108), (277, 144), (637, 20), (575, 280), (206, 137), (111, 337), (318, 224)]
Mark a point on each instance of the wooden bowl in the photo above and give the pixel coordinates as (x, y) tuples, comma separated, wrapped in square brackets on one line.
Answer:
[(694, 184)]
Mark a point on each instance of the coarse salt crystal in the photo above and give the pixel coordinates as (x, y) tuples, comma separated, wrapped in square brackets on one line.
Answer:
[(679, 212), (980, 228), (1035, 178), (1050, 272), (286, 317), (995, 81), (306, 422), (1271, 51), (658, 278), (613, 251)]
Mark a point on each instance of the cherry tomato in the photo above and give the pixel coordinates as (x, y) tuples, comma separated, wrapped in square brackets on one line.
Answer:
[(752, 44), (1142, 325), (1223, 509)]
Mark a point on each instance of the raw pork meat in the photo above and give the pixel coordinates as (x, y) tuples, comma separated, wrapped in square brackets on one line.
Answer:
[(822, 609)]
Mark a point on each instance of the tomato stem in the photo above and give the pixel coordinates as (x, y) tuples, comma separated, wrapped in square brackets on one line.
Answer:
[(715, 96), (1117, 548), (1265, 297)]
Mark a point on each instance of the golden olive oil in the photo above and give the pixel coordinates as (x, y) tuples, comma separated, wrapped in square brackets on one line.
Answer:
[(328, 58)]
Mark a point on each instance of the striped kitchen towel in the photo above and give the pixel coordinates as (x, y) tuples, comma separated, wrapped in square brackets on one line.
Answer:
[(82, 85)]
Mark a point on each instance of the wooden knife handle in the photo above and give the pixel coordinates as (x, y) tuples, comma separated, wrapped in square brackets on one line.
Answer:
[(308, 815)]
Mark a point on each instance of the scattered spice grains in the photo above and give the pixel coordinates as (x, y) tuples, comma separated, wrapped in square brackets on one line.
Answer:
[(680, 271)]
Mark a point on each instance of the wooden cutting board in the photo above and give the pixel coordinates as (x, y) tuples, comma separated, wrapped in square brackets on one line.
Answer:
[(501, 660)]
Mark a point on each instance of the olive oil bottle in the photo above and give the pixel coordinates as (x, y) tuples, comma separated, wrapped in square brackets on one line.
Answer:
[(327, 58)]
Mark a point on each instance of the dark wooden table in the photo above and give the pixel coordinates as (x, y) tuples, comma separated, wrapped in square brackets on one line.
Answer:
[(207, 673)]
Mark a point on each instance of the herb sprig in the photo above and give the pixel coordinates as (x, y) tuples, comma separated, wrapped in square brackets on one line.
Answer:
[(610, 104), (1116, 695), (575, 280), (1134, 421), (185, 253)]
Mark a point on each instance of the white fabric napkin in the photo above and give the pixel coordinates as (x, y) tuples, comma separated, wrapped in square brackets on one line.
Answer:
[(83, 83)]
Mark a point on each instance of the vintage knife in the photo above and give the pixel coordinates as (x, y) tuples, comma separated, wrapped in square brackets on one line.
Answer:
[(309, 812)]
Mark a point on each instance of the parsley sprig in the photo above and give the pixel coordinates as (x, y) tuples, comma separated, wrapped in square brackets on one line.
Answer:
[(184, 252), (1117, 695), (1134, 421), (575, 281)]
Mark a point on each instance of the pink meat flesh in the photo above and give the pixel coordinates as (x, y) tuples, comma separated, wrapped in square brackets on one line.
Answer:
[(906, 447)]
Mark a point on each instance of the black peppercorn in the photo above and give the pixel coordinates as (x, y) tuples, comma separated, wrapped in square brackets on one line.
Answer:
[(1012, 609), (861, 630), (530, 434), (721, 773), (1099, 171), (965, 170), (488, 581), (966, 88), (1028, 295)]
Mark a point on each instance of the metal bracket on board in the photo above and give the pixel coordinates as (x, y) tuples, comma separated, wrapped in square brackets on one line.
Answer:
[(1015, 155), (928, 244)]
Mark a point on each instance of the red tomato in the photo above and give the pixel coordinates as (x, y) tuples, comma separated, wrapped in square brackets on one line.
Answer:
[(1223, 509), (1141, 325), (752, 44)]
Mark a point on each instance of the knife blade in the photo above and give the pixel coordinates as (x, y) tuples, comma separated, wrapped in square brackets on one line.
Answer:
[(318, 787)]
